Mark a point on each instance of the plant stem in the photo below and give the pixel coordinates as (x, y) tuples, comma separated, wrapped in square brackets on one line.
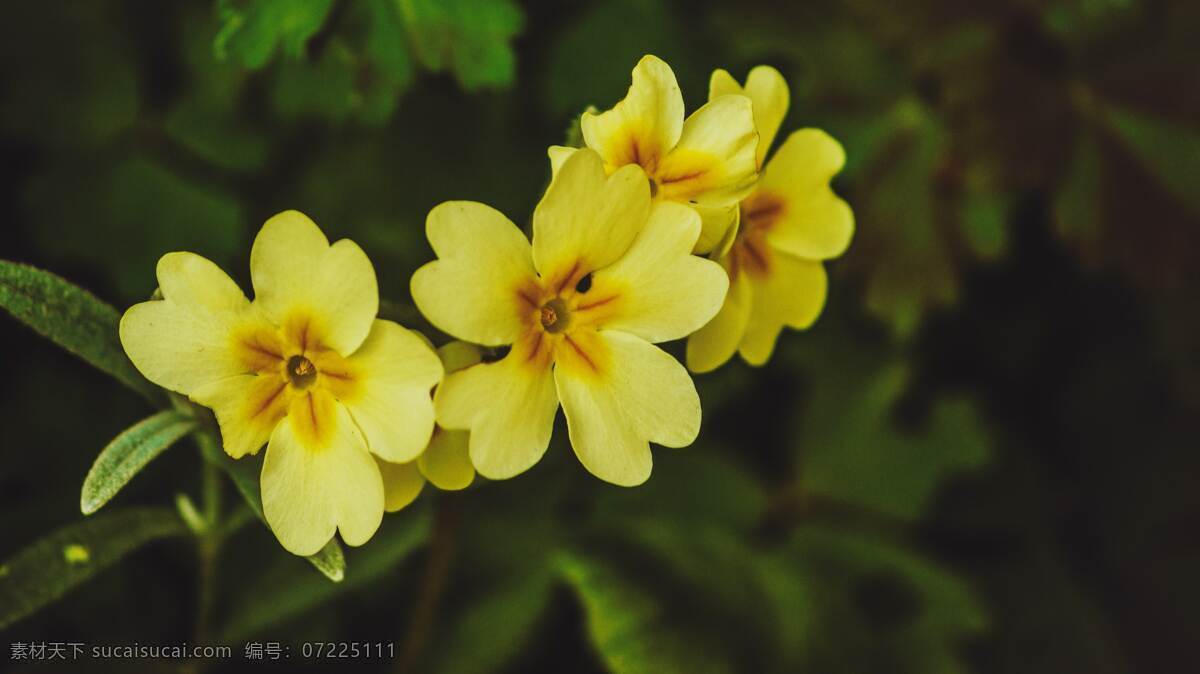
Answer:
[(442, 549), (208, 544)]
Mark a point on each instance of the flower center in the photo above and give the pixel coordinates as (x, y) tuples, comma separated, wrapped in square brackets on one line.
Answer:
[(301, 372), (555, 316)]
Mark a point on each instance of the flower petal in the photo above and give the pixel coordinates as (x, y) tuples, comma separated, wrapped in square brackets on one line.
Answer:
[(645, 125), (393, 373), (472, 291), (184, 340), (714, 162), (587, 220), (661, 290), (294, 269), (815, 223), (247, 407), (447, 462), (791, 295), (402, 484), (308, 491), (558, 156), (644, 395), (767, 91), (508, 406), (709, 347), (715, 225)]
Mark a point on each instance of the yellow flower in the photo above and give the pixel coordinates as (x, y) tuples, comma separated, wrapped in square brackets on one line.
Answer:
[(607, 275), (305, 368), (706, 161), (444, 462), (789, 224)]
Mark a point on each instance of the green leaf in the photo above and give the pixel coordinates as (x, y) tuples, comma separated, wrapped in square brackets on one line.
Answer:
[(1078, 216), (470, 38), (880, 607), (72, 318), (903, 251), (244, 472), (494, 628), (630, 627), (1167, 150), (251, 30), (128, 454), (850, 448), (282, 594), (44, 571)]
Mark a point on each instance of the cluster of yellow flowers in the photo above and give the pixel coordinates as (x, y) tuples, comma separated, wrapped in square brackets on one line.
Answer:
[(660, 228)]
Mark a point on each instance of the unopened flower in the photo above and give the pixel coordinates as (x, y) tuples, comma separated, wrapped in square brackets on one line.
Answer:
[(445, 462), (789, 224), (607, 275), (706, 161), (305, 368)]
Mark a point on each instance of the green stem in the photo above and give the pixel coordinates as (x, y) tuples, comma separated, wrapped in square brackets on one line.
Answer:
[(208, 544), (442, 549)]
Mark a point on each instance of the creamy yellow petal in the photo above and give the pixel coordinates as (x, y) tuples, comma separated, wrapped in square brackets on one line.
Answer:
[(716, 224), (644, 395), (791, 295), (721, 83), (715, 343), (645, 125), (815, 223), (587, 220), (184, 340), (309, 492), (472, 291), (768, 91), (394, 372), (457, 355), (294, 269), (714, 162), (558, 156), (508, 406), (447, 461), (661, 291), (247, 407), (402, 483)]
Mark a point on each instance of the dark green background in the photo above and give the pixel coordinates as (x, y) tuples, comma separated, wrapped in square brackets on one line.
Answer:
[(983, 458)]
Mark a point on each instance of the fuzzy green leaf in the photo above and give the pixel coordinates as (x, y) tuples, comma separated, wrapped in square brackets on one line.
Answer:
[(128, 454), (72, 318), (47, 569), (470, 38), (244, 473)]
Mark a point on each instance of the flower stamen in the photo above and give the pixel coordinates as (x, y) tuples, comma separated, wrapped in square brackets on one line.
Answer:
[(301, 372), (555, 316)]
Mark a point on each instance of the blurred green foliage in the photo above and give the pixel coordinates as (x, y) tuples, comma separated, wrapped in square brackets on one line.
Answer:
[(981, 458)]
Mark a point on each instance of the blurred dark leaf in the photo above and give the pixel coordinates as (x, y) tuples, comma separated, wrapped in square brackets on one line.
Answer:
[(853, 452), (632, 629), (251, 30), (623, 31), (284, 592), (136, 210), (128, 454), (470, 38), (68, 74), (495, 627), (882, 608), (1078, 215), (1169, 151), (66, 558), (72, 318)]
